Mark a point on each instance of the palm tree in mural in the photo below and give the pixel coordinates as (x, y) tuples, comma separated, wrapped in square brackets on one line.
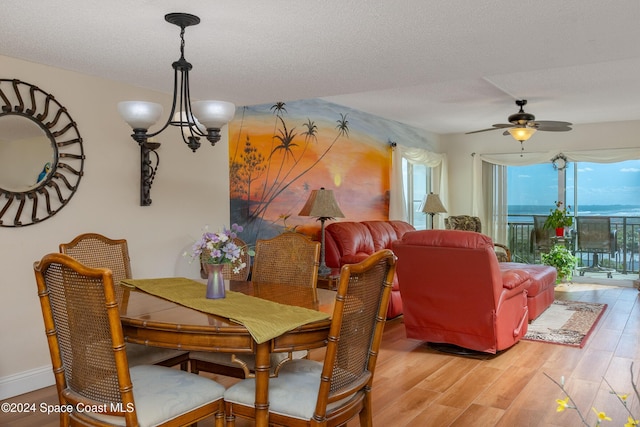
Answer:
[(280, 185), (278, 109)]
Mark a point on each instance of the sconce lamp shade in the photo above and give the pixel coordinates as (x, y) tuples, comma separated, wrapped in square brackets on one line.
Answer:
[(321, 204), (140, 114), (521, 133), (431, 204), (214, 114)]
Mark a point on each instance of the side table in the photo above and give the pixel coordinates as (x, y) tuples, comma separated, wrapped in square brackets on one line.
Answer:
[(329, 281)]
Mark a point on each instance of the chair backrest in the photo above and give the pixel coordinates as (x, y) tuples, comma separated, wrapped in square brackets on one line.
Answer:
[(594, 234), (84, 334), (541, 236), (463, 222), (96, 251), (289, 258), (356, 328), (228, 270)]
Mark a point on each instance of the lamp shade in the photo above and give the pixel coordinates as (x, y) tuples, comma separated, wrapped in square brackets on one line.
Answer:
[(521, 133), (140, 114), (431, 204), (213, 114), (321, 204)]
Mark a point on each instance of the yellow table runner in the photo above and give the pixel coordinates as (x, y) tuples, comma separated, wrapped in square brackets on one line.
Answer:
[(263, 319)]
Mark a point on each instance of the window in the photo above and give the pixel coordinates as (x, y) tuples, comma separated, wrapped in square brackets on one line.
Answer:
[(589, 189), (611, 189), (417, 181)]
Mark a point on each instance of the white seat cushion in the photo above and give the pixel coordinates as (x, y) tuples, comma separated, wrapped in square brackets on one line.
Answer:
[(294, 392), (162, 393)]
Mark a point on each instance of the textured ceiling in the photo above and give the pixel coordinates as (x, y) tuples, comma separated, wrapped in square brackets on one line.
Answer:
[(446, 67)]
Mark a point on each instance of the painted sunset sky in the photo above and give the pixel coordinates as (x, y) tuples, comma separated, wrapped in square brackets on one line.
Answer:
[(355, 164)]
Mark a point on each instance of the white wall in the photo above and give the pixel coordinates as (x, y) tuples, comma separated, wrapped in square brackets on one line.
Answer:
[(190, 191), (459, 148)]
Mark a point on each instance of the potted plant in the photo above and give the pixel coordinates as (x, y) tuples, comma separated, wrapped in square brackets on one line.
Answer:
[(559, 219), (562, 259)]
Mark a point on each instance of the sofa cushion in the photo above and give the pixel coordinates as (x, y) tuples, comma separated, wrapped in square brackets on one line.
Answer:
[(401, 227), (382, 233), (351, 237)]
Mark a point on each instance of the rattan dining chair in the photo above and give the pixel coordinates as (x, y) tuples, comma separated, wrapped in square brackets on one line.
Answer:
[(330, 393), (86, 343), (97, 251), (289, 258)]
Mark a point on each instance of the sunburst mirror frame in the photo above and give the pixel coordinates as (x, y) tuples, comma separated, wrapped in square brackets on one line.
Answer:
[(53, 192)]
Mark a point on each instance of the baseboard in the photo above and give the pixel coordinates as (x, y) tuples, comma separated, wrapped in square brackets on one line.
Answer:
[(24, 382)]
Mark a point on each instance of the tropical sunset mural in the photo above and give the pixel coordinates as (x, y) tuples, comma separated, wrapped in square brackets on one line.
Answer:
[(280, 152)]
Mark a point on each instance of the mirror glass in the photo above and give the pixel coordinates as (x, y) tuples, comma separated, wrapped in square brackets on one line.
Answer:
[(26, 153)]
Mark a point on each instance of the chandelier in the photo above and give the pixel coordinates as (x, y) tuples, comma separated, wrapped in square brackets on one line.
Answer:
[(196, 120)]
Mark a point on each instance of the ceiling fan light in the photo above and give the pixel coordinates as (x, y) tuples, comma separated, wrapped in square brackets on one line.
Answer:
[(521, 133)]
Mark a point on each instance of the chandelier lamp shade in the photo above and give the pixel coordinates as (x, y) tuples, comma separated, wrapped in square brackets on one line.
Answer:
[(201, 119), (323, 205), (431, 204)]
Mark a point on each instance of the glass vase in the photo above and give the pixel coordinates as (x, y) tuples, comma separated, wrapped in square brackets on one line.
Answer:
[(215, 281)]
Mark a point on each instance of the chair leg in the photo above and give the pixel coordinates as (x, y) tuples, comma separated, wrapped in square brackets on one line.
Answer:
[(220, 419), (365, 413), (229, 417)]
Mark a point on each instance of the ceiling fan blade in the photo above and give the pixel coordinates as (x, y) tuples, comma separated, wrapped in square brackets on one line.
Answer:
[(496, 126), (552, 126)]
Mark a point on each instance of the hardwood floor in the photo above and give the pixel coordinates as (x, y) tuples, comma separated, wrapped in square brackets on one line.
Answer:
[(417, 386)]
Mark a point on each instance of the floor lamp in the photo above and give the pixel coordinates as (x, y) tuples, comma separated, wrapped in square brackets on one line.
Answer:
[(432, 205), (323, 206)]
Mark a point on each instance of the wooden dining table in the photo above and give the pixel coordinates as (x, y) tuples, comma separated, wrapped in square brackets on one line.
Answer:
[(154, 321)]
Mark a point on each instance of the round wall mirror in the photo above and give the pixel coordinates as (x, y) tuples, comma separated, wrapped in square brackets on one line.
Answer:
[(41, 154)]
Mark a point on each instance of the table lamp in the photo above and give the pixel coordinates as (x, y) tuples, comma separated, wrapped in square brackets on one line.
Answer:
[(432, 205), (323, 206)]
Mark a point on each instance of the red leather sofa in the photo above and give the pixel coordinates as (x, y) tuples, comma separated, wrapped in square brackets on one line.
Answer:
[(454, 291), (350, 242)]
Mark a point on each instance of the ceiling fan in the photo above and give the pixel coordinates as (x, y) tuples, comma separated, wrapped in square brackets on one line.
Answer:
[(523, 125)]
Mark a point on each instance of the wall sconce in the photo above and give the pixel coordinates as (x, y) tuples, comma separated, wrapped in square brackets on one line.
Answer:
[(322, 205), (202, 119), (432, 205)]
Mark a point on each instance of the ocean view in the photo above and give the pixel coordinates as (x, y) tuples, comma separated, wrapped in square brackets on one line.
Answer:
[(584, 210)]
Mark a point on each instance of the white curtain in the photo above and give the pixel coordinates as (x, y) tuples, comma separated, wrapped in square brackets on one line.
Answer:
[(489, 199), (438, 163)]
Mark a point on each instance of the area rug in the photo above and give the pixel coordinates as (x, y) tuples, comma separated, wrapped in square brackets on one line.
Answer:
[(566, 322)]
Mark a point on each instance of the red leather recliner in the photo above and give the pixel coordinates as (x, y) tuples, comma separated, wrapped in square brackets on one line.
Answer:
[(350, 242), (453, 291)]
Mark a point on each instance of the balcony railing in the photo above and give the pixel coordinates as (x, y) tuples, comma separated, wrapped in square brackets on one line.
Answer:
[(625, 259)]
